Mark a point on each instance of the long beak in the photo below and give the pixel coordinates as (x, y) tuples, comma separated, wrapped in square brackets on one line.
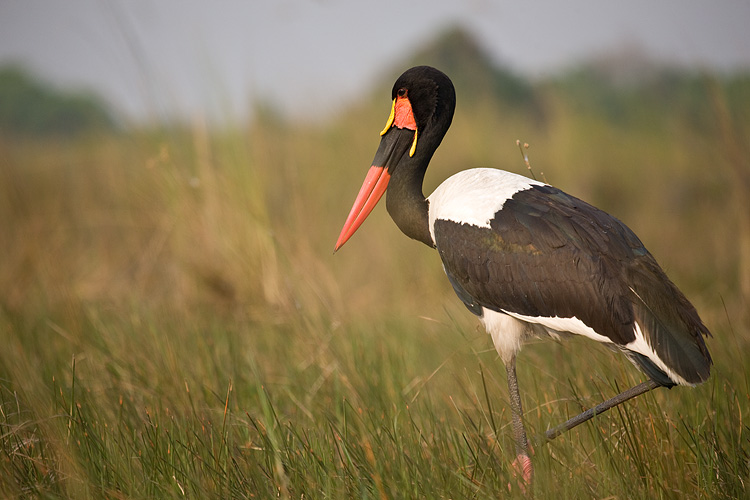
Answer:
[(394, 144)]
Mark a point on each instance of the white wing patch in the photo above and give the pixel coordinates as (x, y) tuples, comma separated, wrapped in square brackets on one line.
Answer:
[(569, 325), (508, 334), (474, 196), (509, 331)]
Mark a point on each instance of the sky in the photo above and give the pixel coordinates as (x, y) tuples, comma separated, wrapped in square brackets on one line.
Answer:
[(151, 59)]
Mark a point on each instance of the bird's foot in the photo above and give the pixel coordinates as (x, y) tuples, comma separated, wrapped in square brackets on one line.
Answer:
[(523, 472)]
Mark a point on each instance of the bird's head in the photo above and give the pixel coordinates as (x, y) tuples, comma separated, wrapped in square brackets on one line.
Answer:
[(421, 112)]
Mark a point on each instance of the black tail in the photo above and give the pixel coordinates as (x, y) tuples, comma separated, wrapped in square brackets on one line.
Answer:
[(670, 325)]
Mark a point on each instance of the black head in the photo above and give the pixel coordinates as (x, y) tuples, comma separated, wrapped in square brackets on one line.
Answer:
[(422, 111), (431, 94)]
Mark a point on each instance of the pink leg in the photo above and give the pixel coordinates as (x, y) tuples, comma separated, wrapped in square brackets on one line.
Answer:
[(523, 472)]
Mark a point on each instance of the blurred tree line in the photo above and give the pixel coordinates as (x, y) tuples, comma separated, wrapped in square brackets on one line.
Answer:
[(30, 107), (623, 88)]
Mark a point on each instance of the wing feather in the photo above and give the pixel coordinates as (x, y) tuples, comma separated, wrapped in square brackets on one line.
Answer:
[(546, 254)]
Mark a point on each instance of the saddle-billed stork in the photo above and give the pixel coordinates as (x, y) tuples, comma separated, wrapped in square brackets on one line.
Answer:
[(528, 259)]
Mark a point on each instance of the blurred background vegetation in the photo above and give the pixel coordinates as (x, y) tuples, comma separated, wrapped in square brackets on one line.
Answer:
[(192, 214), (161, 267)]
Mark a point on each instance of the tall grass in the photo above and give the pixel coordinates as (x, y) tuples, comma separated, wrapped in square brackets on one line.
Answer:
[(174, 323)]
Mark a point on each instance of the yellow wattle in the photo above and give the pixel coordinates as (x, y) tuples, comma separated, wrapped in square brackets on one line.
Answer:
[(390, 118)]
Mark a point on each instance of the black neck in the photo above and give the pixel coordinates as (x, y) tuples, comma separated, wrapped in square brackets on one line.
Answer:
[(405, 201)]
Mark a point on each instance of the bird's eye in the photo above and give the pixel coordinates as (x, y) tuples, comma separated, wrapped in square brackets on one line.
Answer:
[(401, 92)]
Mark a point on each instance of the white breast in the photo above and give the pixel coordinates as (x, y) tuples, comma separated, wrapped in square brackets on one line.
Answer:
[(474, 196)]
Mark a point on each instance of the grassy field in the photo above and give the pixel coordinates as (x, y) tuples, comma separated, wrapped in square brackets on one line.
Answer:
[(174, 323)]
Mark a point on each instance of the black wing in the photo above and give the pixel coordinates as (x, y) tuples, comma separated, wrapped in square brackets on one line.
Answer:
[(549, 254)]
